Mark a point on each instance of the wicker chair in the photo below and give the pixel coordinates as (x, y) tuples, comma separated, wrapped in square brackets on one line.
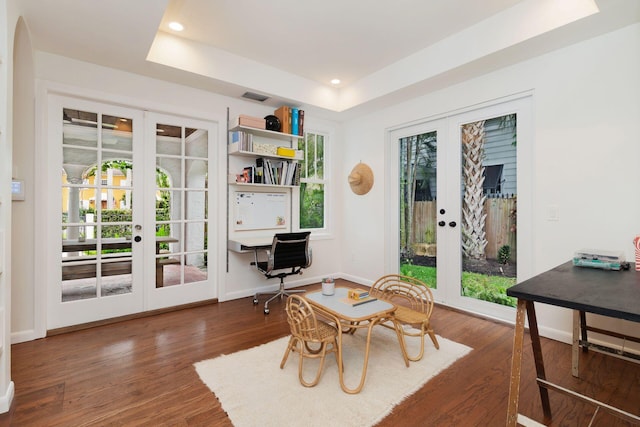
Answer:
[(415, 304), (310, 338)]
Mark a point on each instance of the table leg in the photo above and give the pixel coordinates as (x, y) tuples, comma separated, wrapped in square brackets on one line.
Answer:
[(344, 387), (516, 365), (537, 355), (575, 346), (583, 330)]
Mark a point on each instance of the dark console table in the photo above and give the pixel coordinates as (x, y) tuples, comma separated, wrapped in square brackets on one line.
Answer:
[(585, 290)]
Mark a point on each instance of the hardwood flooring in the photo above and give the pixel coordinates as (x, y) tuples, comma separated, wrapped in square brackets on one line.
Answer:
[(139, 373)]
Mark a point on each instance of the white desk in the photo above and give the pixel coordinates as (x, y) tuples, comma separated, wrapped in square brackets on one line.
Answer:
[(249, 244)]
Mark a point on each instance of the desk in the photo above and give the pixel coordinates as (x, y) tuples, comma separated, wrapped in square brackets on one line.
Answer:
[(362, 316), (585, 290), (250, 244)]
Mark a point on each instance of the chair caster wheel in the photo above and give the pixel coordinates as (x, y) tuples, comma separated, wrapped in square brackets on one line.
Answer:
[(255, 301), (266, 311)]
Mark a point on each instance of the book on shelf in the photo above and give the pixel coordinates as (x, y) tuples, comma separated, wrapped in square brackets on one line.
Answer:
[(296, 176), (259, 177), (284, 115), (294, 121), (301, 122)]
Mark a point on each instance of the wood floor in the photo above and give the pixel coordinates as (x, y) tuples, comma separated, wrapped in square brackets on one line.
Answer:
[(139, 372)]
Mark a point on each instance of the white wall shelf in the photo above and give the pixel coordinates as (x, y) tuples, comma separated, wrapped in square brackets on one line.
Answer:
[(234, 150), (266, 133)]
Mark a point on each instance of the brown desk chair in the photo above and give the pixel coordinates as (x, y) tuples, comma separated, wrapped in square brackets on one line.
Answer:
[(310, 338), (415, 304), (289, 254)]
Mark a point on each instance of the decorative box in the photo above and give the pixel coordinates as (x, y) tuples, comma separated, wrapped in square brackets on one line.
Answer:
[(263, 148), (248, 121), (286, 152)]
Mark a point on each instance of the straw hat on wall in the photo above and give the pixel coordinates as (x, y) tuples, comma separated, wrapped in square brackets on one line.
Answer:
[(361, 179)]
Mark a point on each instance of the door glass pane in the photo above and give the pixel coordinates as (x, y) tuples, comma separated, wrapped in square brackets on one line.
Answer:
[(418, 185), (168, 140), (117, 133), (79, 128), (96, 205), (181, 205), (197, 143), (195, 205), (488, 217)]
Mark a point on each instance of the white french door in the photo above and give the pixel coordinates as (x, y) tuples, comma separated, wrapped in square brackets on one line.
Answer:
[(454, 221), (128, 208), (181, 216)]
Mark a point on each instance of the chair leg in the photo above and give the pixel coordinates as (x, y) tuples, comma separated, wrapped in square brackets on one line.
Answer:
[(434, 339), (403, 347), (290, 347), (280, 293), (315, 381)]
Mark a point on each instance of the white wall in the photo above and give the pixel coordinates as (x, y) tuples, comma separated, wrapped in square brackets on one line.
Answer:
[(8, 19), (586, 108), (63, 75), (22, 221)]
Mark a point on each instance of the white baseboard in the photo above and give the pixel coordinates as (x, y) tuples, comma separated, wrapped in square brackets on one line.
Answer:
[(5, 401), (24, 336)]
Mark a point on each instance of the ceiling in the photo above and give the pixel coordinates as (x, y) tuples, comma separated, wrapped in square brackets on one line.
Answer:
[(289, 50)]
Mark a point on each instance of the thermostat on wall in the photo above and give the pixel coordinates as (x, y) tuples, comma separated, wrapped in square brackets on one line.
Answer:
[(17, 189)]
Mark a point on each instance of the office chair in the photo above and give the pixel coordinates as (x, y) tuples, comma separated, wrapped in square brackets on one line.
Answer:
[(288, 251)]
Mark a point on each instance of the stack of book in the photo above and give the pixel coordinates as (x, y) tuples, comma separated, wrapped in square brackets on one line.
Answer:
[(357, 297), (357, 294), (291, 120), (286, 172), (243, 139)]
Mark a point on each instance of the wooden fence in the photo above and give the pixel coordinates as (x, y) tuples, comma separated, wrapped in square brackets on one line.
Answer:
[(499, 225)]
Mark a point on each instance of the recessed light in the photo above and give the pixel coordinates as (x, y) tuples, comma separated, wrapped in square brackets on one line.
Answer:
[(335, 81), (176, 26)]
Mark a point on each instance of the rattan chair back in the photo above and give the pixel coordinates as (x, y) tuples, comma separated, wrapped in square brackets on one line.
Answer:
[(310, 337)]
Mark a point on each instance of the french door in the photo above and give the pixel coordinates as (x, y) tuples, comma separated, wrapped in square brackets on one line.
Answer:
[(462, 218), (128, 209)]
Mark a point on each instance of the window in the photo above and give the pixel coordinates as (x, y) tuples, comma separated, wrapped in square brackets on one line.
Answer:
[(312, 181)]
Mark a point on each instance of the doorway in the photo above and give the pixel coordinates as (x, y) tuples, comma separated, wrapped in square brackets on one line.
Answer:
[(130, 200), (459, 214)]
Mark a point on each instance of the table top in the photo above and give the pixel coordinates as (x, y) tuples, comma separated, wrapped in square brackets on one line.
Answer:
[(245, 244), (342, 310), (605, 292)]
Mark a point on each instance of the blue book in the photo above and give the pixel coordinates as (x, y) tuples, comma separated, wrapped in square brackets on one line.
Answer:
[(294, 121)]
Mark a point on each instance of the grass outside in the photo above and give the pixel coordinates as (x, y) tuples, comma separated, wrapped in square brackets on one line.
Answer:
[(474, 285)]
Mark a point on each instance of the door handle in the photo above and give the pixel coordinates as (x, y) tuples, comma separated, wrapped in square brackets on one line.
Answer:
[(442, 223), (452, 224), (137, 238)]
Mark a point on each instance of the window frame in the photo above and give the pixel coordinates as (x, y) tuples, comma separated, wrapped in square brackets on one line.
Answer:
[(325, 181)]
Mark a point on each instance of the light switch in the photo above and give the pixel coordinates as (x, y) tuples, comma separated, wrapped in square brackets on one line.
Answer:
[(553, 213)]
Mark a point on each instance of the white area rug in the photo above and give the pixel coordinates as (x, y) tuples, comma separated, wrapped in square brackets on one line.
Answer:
[(254, 391)]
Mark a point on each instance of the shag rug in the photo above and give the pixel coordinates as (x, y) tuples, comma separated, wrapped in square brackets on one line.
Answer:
[(254, 391)]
